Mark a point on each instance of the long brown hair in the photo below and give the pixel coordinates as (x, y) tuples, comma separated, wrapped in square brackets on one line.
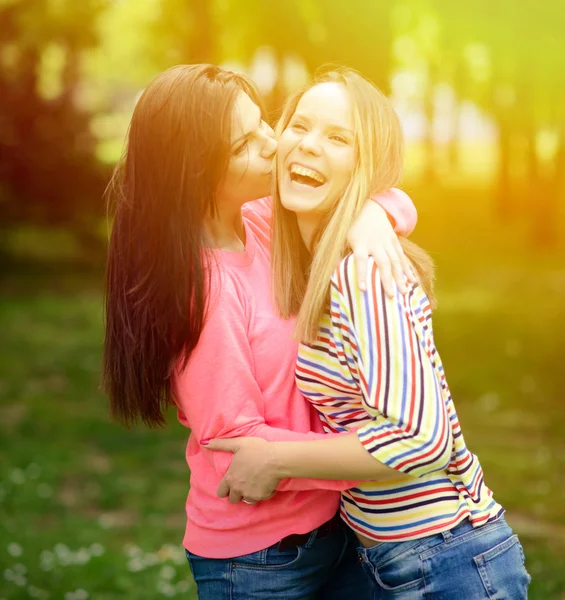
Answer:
[(301, 278), (162, 190)]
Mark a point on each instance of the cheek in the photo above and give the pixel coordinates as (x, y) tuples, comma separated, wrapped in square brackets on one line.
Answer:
[(241, 169), (286, 143), (248, 174), (346, 164)]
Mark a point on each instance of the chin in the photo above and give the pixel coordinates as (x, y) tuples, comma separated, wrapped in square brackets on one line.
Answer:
[(296, 202)]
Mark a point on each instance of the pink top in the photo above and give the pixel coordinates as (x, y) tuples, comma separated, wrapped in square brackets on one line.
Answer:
[(240, 381)]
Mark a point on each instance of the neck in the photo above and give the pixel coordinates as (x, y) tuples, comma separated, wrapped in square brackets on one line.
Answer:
[(307, 225), (226, 230)]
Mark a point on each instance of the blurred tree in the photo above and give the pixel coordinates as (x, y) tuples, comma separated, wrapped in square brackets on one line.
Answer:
[(48, 171), (524, 94), (508, 58), (357, 35)]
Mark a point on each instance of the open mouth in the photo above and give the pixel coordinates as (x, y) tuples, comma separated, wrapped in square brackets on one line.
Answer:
[(306, 176)]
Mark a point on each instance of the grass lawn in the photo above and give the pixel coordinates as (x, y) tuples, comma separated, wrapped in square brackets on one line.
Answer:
[(88, 510)]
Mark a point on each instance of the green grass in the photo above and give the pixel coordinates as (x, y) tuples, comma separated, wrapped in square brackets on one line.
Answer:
[(84, 505), (88, 509)]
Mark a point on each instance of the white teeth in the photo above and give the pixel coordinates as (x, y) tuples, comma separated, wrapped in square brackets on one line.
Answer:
[(299, 170)]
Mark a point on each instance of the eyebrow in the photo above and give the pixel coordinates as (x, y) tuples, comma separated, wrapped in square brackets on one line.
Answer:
[(246, 135)]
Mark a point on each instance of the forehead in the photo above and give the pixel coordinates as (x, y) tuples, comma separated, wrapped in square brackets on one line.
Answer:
[(244, 115), (328, 101)]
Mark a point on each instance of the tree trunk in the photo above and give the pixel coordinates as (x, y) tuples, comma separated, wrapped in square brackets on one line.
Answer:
[(429, 173), (201, 46), (544, 200), (453, 150), (503, 192)]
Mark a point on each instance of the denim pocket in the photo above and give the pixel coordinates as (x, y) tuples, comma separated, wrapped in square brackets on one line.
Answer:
[(401, 574), (502, 570), (269, 559)]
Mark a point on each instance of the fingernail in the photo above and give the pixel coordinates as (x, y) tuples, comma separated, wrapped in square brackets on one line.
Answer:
[(204, 442), (362, 287)]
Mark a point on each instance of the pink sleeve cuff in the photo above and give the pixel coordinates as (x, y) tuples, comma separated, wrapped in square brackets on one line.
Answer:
[(400, 209)]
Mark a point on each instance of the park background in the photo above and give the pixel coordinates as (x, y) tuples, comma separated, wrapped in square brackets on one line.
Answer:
[(89, 510)]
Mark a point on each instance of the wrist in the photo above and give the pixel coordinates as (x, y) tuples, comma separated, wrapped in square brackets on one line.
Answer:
[(376, 200), (276, 462)]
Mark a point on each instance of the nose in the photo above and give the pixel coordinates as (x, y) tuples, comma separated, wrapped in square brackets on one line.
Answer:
[(270, 143), (309, 144)]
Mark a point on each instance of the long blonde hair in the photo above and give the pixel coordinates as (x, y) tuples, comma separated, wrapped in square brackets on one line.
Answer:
[(301, 279)]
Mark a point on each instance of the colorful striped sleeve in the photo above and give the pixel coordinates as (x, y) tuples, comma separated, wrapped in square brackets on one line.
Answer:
[(410, 427)]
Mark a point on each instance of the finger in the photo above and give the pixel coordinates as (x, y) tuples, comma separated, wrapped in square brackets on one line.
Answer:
[(224, 445), (235, 497), (398, 275), (383, 263), (361, 257), (223, 489), (397, 271), (406, 264)]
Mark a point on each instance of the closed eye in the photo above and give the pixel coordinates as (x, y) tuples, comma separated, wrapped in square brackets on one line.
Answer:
[(338, 138), (239, 149), (298, 126)]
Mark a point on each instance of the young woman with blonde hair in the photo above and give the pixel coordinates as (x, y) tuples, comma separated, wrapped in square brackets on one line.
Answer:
[(190, 322), (427, 525)]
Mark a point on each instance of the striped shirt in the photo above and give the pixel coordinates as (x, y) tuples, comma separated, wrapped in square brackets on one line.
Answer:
[(375, 369)]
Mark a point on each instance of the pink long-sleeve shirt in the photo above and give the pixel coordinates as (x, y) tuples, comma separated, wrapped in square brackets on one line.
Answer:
[(239, 381)]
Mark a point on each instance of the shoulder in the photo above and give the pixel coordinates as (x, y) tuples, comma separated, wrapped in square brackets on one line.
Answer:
[(261, 209), (224, 292), (344, 283), (344, 279)]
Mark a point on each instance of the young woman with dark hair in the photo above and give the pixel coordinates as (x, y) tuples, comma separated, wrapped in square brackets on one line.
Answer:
[(190, 321)]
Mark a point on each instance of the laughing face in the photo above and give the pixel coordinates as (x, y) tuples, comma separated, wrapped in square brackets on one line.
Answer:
[(316, 152)]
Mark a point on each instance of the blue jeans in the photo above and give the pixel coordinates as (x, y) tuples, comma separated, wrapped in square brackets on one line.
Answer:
[(324, 568), (486, 563)]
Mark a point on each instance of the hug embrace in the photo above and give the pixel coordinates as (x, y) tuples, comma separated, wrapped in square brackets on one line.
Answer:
[(256, 282)]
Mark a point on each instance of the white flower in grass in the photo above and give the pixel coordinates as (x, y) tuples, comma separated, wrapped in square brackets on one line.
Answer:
[(17, 476), (61, 549), (81, 594), (97, 549), (46, 555), (183, 586), (136, 564), (20, 569), (66, 559), (46, 560), (9, 574), (106, 521), (151, 559), (19, 580), (132, 550), (82, 556), (166, 589), (44, 490), (176, 554), (167, 572), (15, 549)]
